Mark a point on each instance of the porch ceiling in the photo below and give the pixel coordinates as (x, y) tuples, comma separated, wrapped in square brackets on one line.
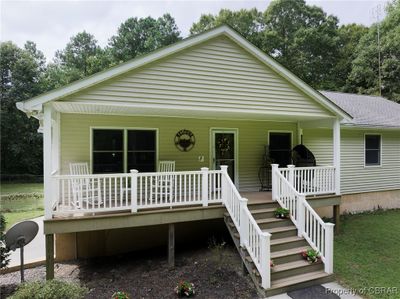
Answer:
[(191, 112)]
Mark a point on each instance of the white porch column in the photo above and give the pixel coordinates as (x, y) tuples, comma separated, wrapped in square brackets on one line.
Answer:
[(336, 153), (47, 162)]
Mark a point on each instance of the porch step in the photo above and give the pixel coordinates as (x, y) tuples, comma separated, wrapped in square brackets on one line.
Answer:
[(299, 281), (288, 255), (272, 222), (263, 205), (287, 243), (281, 231), (294, 268), (263, 213)]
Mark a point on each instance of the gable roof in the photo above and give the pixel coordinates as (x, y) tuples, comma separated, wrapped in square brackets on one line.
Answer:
[(35, 104), (366, 110)]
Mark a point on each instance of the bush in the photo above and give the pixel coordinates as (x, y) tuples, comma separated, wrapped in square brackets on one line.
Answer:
[(4, 252), (52, 289), (120, 295), (185, 289)]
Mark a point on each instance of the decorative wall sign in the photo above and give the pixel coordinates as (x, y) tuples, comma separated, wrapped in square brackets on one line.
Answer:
[(184, 140)]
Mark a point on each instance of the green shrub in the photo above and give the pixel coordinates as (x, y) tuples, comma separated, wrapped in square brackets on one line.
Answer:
[(4, 252), (52, 289)]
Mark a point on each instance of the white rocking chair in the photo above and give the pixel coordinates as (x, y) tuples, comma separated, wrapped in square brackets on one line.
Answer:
[(83, 190), (165, 182)]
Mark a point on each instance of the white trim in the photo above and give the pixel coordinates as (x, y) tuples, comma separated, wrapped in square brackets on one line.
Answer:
[(125, 143), (235, 132), (380, 150), (37, 102), (337, 154)]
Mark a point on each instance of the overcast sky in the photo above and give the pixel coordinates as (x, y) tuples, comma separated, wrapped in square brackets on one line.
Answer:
[(50, 24)]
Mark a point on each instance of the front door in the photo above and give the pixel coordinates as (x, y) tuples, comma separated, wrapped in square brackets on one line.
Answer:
[(224, 149)]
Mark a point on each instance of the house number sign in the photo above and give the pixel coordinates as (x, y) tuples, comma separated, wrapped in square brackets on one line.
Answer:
[(184, 140)]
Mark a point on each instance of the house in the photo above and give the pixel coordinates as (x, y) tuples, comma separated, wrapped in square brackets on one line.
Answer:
[(222, 111)]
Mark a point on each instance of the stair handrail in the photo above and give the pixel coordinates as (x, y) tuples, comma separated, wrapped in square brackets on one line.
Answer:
[(309, 224), (251, 236)]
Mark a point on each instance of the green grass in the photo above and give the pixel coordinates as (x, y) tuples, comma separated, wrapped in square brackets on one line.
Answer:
[(14, 217), (367, 252), (21, 202), (9, 188)]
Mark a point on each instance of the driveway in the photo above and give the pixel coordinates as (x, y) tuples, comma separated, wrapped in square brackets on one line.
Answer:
[(34, 251)]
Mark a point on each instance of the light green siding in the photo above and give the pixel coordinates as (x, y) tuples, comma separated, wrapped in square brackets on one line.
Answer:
[(217, 75), (252, 137), (356, 178), (319, 141)]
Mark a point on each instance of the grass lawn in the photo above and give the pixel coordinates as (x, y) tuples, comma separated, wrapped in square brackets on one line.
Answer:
[(8, 188), (14, 217), (21, 202), (367, 252)]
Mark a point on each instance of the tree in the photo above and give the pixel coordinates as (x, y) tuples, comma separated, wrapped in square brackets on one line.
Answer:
[(248, 23), (364, 76), (140, 36), (21, 74), (82, 56), (349, 37), (304, 39)]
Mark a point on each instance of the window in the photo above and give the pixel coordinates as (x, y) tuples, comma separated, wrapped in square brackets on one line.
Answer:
[(119, 150), (142, 150), (372, 150), (108, 151)]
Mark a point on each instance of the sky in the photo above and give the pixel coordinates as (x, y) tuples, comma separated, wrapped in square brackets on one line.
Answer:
[(50, 24)]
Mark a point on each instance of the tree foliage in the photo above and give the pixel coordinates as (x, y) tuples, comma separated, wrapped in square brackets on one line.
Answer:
[(4, 252), (21, 72), (364, 75), (140, 36)]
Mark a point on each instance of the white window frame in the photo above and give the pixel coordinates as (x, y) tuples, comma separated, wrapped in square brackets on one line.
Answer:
[(125, 143), (380, 150)]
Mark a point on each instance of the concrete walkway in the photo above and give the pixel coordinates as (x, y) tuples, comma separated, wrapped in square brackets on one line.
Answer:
[(34, 251), (332, 287)]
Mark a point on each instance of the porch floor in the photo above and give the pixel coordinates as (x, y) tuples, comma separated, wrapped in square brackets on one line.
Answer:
[(254, 197)]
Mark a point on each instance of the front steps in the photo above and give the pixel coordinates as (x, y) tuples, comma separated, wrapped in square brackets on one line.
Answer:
[(291, 271)]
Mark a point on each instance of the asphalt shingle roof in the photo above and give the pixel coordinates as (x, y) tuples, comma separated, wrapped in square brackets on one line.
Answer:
[(367, 111)]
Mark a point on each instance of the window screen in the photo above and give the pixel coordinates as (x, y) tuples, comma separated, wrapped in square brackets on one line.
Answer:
[(142, 150)]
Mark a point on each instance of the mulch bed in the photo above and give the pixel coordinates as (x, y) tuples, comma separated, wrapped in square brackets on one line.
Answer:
[(215, 272)]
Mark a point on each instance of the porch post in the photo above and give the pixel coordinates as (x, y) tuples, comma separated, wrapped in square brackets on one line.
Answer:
[(274, 181), (204, 186), (49, 256), (336, 154), (291, 174), (134, 204), (224, 183), (244, 238), (47, 162)]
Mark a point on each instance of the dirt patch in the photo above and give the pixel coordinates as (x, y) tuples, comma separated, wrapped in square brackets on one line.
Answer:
[(216, 273)]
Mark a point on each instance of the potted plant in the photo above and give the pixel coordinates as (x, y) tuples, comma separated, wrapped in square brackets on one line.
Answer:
[(311, 255), (185, 289), (120, 295), (281, 213)]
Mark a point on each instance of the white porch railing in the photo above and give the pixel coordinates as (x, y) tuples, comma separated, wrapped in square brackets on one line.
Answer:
[(309, 225), (252, 237), (132, 191), (316, 180)]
